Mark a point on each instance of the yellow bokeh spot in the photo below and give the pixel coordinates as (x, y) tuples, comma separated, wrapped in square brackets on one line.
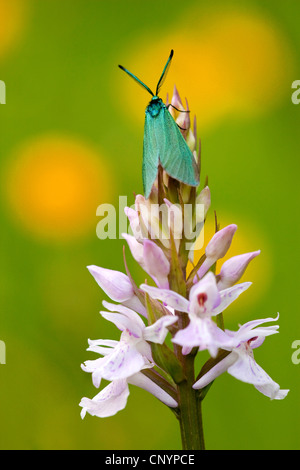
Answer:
[(54, 186), (246, 239), (13, 14), (226, 63)]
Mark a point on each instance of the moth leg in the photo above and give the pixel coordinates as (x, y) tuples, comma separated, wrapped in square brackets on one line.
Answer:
[(179, 110), (182, 128)]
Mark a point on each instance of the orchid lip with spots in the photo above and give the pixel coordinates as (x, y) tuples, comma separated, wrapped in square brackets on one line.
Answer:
[(178, 309)]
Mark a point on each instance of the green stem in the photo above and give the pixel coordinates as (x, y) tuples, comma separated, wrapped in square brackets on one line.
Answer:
[(190, 416)]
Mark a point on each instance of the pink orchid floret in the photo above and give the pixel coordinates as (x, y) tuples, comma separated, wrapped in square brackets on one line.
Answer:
[(132, 352), (205, 301), (151, 258), (113, 397), (118, 287), (233, 269), (240, 362), (216, 249)]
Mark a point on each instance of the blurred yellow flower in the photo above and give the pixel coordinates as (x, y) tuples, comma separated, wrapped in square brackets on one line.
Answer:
[(229, 62), (54, 185), (13, 16)]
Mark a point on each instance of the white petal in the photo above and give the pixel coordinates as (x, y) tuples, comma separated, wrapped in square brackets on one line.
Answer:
[(135, 304), (136, 248), (134, 221), (124, 361), (272, 390), (216, 248), (114, 283), (249, 330), (233, 269), (108, 402), (247, 370), (230, 295), (215, 371), (101, 346), (202, 333), (123, 323), (144, 382), (129, 313), (157, 332), (172, 299), (209, 293), (156, 263)]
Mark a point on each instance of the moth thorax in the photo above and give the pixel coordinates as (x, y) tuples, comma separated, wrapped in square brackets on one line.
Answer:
[(155, 106)]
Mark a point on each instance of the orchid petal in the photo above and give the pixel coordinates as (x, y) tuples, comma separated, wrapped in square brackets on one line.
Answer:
[(140, 380), (136, 248), (203, 198), (108, 402), (233, 269), (272, 390), (204, 296), (254, 323), (249, 330), (94, 367), (114, 283), (123, 323), (128, 312), (101, 346), (247, 370), (124, 361), (156, 264), (172, 299), (157, 332), (202, 333), (230, 295), (134, 221), (216, 248), (215, 371), (135, 304)]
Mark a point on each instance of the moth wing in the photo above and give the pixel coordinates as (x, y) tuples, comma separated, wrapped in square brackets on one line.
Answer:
[(150, 154), (175, 156)]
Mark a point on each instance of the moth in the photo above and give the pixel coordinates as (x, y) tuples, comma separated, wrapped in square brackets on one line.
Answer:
[(163, 142)]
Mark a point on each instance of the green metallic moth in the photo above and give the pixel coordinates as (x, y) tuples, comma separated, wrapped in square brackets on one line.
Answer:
[(163, 142)]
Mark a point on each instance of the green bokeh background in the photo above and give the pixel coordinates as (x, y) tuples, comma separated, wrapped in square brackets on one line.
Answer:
[(61, 77)]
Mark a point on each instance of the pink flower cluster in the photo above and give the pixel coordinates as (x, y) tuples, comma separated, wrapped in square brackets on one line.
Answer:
[(145, 315)]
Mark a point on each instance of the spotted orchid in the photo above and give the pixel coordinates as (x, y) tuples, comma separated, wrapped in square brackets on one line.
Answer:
[(113, 397), (188, 302), (205, 301), (240, 362), (132, 352)]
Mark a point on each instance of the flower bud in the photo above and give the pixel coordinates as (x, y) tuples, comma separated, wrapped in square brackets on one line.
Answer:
[(175, 103), (204, 198), (216, 249), (156, 264), (233, 269), (134, 221), (220, 242), (114, 283)]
